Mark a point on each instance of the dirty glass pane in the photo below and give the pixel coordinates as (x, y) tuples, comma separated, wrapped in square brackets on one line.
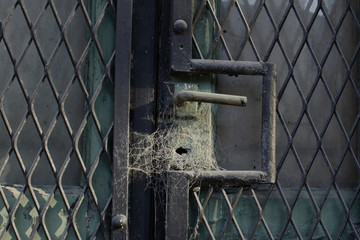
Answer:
[(315, 46), (56, 96), (43, 90)]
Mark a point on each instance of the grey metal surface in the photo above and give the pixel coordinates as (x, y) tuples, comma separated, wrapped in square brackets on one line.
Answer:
[(232, 153), (268, 126)]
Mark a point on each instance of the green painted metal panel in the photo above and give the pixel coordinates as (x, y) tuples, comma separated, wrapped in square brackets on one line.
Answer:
[(98, 83), (26, 216)]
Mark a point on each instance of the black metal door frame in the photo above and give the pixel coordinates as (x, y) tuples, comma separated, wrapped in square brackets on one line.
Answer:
[(135, 110)]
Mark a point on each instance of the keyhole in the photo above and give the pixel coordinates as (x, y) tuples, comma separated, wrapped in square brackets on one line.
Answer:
[(181, 151)]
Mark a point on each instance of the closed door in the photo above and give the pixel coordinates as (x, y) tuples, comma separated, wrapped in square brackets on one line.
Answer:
[(104, 133)]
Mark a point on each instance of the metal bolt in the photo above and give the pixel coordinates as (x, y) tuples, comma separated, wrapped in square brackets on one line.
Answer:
[(180, 26), (119, 222)]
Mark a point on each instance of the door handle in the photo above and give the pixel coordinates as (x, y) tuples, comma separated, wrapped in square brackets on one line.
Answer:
[(267, 174), (193, 96)]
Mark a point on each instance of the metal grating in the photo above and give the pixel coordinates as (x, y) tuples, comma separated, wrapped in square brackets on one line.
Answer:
[(315, 46), (56, 106)]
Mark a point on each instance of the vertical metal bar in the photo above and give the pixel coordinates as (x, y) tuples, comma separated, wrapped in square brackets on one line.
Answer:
[(269, 123), (358, 88), (121, 116), (177, 206), (143, 93), (162, 91)]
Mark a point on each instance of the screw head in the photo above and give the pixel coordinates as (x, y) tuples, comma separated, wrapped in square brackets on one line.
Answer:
[(119, 222), (180, 26)]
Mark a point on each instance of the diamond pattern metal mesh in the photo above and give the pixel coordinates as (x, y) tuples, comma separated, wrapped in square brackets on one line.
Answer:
[(56, 106), (315, 45)]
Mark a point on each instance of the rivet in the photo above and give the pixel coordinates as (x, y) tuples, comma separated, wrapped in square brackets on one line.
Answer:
[(119, 222), (180, 26)]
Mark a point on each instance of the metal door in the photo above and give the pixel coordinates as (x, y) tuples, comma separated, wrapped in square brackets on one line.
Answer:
[(93, 144), (315, 47)]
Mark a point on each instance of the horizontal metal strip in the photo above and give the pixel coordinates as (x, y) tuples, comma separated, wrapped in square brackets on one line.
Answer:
[(227, 177), (228, 67)]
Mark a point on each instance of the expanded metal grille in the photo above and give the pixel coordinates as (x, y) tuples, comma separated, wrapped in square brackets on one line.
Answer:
[(315, 45), (56, 105)]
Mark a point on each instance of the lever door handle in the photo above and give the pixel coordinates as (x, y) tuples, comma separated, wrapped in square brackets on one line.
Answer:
[(268, 133), (193, 96)]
